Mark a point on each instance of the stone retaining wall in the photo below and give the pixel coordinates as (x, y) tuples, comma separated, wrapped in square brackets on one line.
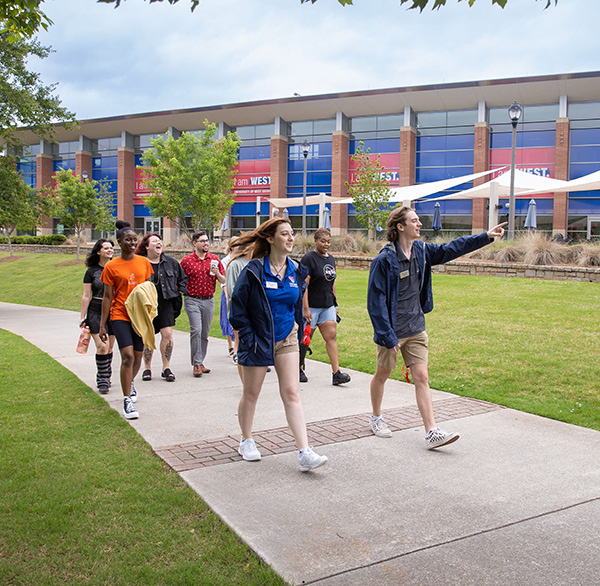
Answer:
[(456, 267)]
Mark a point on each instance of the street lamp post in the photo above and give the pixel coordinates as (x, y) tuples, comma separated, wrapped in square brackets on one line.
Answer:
[(514, 113), (305, 149)]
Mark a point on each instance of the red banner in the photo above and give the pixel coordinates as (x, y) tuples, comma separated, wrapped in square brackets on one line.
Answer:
[(253, 178), (390, 163)]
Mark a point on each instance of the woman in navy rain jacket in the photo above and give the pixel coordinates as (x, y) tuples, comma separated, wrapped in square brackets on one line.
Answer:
[(266, 310)]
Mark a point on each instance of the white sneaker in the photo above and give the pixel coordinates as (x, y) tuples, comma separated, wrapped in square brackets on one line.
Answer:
[(129, 409), (436, 438), (310, 460), (379, 427), (248, 450)]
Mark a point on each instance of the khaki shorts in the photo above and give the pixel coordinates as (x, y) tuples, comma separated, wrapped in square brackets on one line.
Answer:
[(290, 344), (414, 349)]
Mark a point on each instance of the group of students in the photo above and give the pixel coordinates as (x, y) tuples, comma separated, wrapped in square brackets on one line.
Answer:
[(268, 307)]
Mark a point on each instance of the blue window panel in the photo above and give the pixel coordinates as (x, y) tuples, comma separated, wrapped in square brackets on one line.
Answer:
[(445, 143), (585, 136), (444, 159), (67, 164), (310, 190), (140, 210), (582, 169), (254, 153), (243, 209), (105, 162), (545, 138), (319, 149), (503, 140), (429, 174), (311, 210), (311, 179), (138, 160), (297, 166), (458, 207), (584, 154), (585, 207), (381, 145), (105, 174)]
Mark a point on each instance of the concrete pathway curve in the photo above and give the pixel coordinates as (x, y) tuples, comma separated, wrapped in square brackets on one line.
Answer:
[(515, 501)]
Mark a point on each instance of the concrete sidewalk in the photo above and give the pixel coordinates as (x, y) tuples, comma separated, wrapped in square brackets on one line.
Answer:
[(515, 501)]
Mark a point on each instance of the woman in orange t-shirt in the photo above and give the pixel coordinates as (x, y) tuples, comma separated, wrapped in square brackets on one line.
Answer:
[(120, 278)]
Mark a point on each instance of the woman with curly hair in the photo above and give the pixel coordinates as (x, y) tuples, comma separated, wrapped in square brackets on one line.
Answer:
[(170, 282)]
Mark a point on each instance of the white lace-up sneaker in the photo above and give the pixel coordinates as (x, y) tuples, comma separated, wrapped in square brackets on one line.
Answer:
[(248, 450), (309, 460), (436, 438), (129, 409), (379, 427)]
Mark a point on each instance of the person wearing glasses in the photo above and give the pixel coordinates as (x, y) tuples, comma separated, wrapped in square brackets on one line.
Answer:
[(203, 270)]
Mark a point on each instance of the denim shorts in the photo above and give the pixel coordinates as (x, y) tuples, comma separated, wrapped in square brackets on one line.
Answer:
[(321, 314)]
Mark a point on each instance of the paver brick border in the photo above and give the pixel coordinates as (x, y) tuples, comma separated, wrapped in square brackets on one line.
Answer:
[(223, 450)]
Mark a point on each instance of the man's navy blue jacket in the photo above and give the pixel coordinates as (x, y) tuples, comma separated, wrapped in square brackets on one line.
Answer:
[(250, 313), (384, 276)]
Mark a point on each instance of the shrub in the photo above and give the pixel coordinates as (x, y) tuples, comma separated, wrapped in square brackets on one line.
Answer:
[(588, 255), (47, 240), (537, 249)]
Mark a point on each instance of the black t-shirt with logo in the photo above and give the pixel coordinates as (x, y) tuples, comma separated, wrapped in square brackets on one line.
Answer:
[(321, 270)]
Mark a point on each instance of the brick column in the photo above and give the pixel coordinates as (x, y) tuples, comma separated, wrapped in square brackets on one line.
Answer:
[(408, 156), (561, 171), (481, 162), (83, 162), (125, 184), (279, 158), (340, 162), (44, 165), (169, 231)]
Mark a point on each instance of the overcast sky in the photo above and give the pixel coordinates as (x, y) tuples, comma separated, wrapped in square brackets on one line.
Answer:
[(145, 57)]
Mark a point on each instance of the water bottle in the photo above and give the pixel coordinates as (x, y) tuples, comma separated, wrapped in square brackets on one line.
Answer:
[(84, 340)]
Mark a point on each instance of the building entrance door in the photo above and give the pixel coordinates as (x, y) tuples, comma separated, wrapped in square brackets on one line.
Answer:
[(593, 228), (152, 225)]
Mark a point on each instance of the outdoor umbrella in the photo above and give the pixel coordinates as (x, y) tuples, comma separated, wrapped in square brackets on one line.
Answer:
[(225, 224), (531, 220), (326, 218), (437, 217), (285, 213)]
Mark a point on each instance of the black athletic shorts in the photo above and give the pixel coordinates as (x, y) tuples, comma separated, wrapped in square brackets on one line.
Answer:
[(126, 336)]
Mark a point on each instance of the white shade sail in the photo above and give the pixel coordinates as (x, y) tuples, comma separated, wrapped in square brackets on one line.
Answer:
[(412, 192), (586, 183), (524, 183)]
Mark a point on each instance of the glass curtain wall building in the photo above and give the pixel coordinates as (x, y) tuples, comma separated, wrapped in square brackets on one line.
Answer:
[(421, 135)]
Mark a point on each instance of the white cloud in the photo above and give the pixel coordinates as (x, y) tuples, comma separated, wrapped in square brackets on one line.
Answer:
[(143, 56)]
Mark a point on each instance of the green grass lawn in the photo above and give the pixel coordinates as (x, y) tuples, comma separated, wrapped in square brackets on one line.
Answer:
[(525, 343), (84, 500)]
